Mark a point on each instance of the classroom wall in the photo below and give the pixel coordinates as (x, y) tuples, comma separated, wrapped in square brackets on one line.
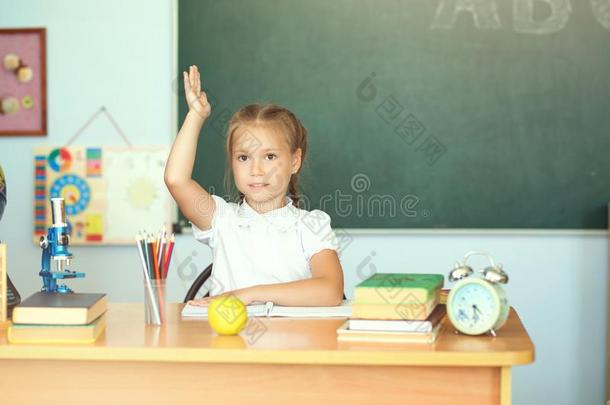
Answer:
[(119, 54)]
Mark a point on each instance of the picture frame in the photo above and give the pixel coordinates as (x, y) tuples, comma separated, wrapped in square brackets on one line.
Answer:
[(23, 93)]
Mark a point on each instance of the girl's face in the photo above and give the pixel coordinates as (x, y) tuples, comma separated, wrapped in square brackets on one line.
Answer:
[(262, 165)]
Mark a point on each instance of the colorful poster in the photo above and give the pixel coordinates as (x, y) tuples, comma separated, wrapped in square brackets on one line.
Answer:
[(111, 193)]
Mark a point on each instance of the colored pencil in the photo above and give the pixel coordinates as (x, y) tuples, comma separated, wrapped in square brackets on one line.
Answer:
[(155, 254), (161, 256), (151, 295), (168, 257)]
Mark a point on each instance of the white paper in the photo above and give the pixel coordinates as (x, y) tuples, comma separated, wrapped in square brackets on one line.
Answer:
[(341, 311)]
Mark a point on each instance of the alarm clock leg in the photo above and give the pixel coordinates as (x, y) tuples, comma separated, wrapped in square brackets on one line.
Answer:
[(505, 385)]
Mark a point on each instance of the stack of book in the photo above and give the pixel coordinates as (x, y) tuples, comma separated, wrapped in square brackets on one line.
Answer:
[(395, 308), (59, 318)]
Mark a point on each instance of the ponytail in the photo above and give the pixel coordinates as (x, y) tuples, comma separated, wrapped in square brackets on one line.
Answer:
[(293, 190)]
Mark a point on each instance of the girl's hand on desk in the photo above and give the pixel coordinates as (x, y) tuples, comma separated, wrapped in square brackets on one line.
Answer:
[(196, 99), (242, 294)]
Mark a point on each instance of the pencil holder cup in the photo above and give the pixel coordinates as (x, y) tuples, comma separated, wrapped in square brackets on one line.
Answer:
[(154, 301)]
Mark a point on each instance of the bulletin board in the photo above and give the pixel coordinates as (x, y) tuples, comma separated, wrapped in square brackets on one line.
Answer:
[(111, 193), (23, 99)]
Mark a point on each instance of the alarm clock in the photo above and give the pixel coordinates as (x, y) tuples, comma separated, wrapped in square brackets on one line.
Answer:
[(477, 305)]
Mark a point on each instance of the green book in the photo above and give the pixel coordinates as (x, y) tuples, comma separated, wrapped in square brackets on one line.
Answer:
[(399, 288), (88, 333)]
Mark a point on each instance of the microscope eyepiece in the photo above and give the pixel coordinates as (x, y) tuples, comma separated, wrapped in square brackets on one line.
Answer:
[(58, 212)]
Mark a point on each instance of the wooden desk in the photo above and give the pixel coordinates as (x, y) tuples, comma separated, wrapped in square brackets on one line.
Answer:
[(275, 361)]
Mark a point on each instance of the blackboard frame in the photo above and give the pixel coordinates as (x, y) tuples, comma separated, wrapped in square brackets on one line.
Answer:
[(493, 225)]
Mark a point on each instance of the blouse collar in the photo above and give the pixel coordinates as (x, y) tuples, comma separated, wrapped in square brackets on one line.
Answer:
[(281, 218)]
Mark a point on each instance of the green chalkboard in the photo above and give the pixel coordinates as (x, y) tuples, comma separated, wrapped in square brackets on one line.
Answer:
[(421, 113)]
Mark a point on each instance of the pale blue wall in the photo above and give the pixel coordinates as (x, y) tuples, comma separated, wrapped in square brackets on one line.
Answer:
[(119, 54)]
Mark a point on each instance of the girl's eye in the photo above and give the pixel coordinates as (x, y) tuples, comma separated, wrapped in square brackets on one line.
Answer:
[(271, 156), (242, 158)]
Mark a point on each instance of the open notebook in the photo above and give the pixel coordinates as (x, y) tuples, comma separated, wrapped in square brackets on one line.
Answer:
[(269, 309)]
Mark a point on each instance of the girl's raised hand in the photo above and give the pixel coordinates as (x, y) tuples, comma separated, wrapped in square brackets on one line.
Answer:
[(196, 99)]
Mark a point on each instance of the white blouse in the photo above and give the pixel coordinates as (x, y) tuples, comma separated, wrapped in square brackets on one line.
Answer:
[(249, 248)]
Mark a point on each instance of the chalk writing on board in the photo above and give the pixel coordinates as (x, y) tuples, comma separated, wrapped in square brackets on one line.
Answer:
[(524, 22), (601, 11), (485, 15)]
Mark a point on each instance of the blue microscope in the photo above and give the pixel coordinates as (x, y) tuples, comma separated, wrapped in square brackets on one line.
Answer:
[(55, 247)]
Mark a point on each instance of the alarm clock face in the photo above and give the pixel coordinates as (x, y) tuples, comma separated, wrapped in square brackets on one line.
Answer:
[(475, 306)]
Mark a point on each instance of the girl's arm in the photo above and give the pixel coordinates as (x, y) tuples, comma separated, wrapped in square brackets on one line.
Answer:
[(325, 288), (195, 203)]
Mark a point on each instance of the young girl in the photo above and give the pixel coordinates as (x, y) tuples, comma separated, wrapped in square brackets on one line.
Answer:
[(265, 248)]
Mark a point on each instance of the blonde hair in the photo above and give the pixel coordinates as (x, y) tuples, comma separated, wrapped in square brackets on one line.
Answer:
[(270, 115)]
